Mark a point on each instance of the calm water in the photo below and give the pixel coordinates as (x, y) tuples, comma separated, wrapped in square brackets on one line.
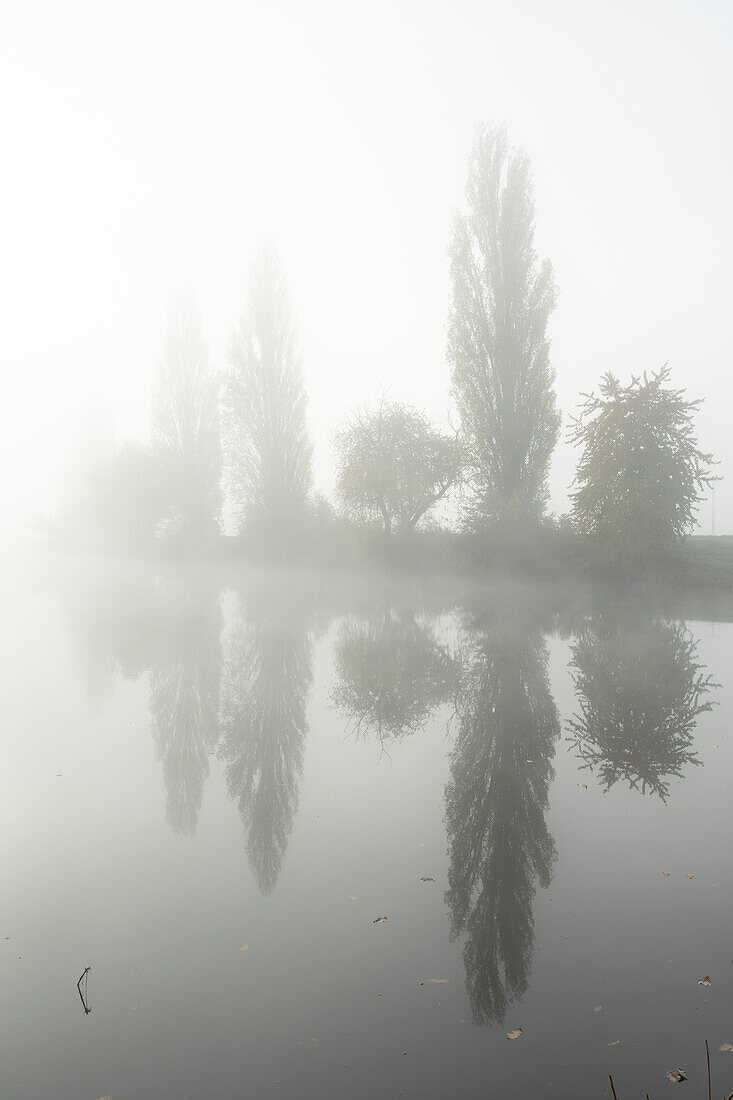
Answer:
[(213, 786)]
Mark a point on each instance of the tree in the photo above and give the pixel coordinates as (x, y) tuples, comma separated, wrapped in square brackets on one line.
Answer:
[(184, 700), (496, 800), (268, 451), (125, 497), (641, 690), (497, 335), (641, 472), (186, 425), (394, 466), (267, 679), (391, 672)]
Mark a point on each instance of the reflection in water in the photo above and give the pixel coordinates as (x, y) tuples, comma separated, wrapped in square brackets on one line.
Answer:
[(391, 672), (184, 705), (266, 684), (640, 692), (496, 800)]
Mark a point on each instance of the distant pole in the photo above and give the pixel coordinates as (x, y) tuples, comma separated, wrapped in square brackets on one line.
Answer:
[(713, 488)]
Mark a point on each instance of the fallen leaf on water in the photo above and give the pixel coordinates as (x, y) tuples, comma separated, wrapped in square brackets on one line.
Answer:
[(7, 937), (676, 1075), (244, 947), (105, 1098), (465, 1020), (514, 1034), (438, 981), (135, 1008), (727, 1046), (598, 1008), (353, 897), (427, 880), (583, 785), (688, 876), (704, 981), (615, 1043), (379, 920), (665, 874), (313, 1040)]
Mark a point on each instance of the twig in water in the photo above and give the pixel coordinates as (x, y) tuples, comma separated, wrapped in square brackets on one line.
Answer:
[(613, 1090), (84, 996), (707, 1051)]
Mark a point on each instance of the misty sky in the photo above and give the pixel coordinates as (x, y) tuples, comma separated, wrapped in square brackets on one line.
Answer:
[(149, 144)]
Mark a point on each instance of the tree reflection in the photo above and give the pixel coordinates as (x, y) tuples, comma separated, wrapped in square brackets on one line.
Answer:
[(391, 672), (184, 705), (640, 692), (496, 800), (267, 679)]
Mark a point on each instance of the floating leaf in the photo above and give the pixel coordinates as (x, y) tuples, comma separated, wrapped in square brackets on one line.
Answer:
[(353, 897), (727, 1046), (438, 981), (244, 947), (665, 874), (379, 920), (598, 1008), (615, 1043), (676, 1075), (704, 981), (313, 1040), (427, 880), (688, 876), (583, 785), (514, 1034)]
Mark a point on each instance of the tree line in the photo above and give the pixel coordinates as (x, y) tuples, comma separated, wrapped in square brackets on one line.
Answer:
[(241, 434)]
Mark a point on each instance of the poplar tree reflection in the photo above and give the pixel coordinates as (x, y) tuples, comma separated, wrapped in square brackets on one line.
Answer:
[(496, 800), (184, 704), (267, 679), (391, 672), (640, 692)]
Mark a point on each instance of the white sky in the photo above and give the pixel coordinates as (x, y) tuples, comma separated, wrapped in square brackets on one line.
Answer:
[(146, 144)]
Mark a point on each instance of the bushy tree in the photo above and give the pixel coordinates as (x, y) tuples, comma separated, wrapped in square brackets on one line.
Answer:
[(640, 691), (641, 472), (393, 466), (267, 448), (502, 299), (186, 420)]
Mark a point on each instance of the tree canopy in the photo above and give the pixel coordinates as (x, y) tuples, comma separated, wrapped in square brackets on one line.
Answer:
[(502, 299), (641, 472), (394, 466)]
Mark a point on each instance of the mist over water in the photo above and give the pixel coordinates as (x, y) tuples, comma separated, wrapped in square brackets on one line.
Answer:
[(367, 549), (216, 782)]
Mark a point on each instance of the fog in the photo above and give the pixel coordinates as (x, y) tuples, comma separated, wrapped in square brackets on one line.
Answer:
[(149, 145)]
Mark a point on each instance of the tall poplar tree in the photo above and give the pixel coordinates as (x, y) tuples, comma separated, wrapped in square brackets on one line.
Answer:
[(267, 447), (186, 425), (502, 298)]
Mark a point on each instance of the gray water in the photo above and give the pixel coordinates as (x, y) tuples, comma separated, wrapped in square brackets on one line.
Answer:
[(213, 785)]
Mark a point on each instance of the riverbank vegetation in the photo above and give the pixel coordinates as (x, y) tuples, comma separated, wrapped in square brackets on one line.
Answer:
[(228, 470)]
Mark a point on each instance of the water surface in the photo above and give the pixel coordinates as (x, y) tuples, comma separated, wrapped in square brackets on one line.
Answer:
[(213, 785)]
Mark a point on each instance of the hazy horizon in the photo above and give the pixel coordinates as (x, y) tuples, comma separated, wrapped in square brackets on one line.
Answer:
[(152, 145)]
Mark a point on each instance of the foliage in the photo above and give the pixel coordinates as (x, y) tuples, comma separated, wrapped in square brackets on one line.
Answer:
[(126, 496), (496, 800), (391, 673), (394, 466), (266, 683), (186, 420), (497, 342), (267, 447), (641, 471), (640, 691)]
